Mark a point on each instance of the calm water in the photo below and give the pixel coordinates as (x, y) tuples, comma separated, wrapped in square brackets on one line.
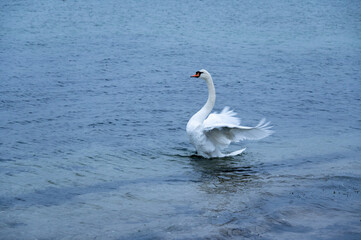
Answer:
[(95, 97)]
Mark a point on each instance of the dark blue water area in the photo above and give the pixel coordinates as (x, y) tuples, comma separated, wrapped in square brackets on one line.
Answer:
[(95, 97)]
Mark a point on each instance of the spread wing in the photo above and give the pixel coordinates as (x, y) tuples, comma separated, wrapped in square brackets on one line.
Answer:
[(223, 128)]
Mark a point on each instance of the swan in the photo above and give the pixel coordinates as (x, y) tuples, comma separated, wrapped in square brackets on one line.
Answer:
[(211, 133)]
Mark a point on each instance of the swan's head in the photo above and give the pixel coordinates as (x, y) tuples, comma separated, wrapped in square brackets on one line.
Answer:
[(202, 74)]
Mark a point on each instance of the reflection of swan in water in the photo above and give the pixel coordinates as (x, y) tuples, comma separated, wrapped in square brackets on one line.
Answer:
[(224, 174)]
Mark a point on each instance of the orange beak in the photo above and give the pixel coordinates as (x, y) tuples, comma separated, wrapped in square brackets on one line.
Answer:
[(195, 75)]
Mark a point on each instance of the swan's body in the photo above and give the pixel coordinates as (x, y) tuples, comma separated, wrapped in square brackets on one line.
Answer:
[(211, 133)]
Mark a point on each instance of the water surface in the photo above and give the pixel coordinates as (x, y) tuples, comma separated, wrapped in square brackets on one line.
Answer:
[(95, 97)]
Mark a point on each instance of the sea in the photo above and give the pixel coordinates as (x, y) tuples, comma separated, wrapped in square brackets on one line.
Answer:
[(95, 97)]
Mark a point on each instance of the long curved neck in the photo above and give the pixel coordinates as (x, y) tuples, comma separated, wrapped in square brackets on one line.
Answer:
[(202, 114)]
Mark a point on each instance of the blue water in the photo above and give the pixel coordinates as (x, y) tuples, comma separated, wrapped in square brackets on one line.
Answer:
[(95, 97)]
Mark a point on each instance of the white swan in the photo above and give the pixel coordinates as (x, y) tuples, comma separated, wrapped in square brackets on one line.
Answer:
[(211, 133)]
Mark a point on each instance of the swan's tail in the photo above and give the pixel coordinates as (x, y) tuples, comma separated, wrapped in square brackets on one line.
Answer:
[(235, 153)]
